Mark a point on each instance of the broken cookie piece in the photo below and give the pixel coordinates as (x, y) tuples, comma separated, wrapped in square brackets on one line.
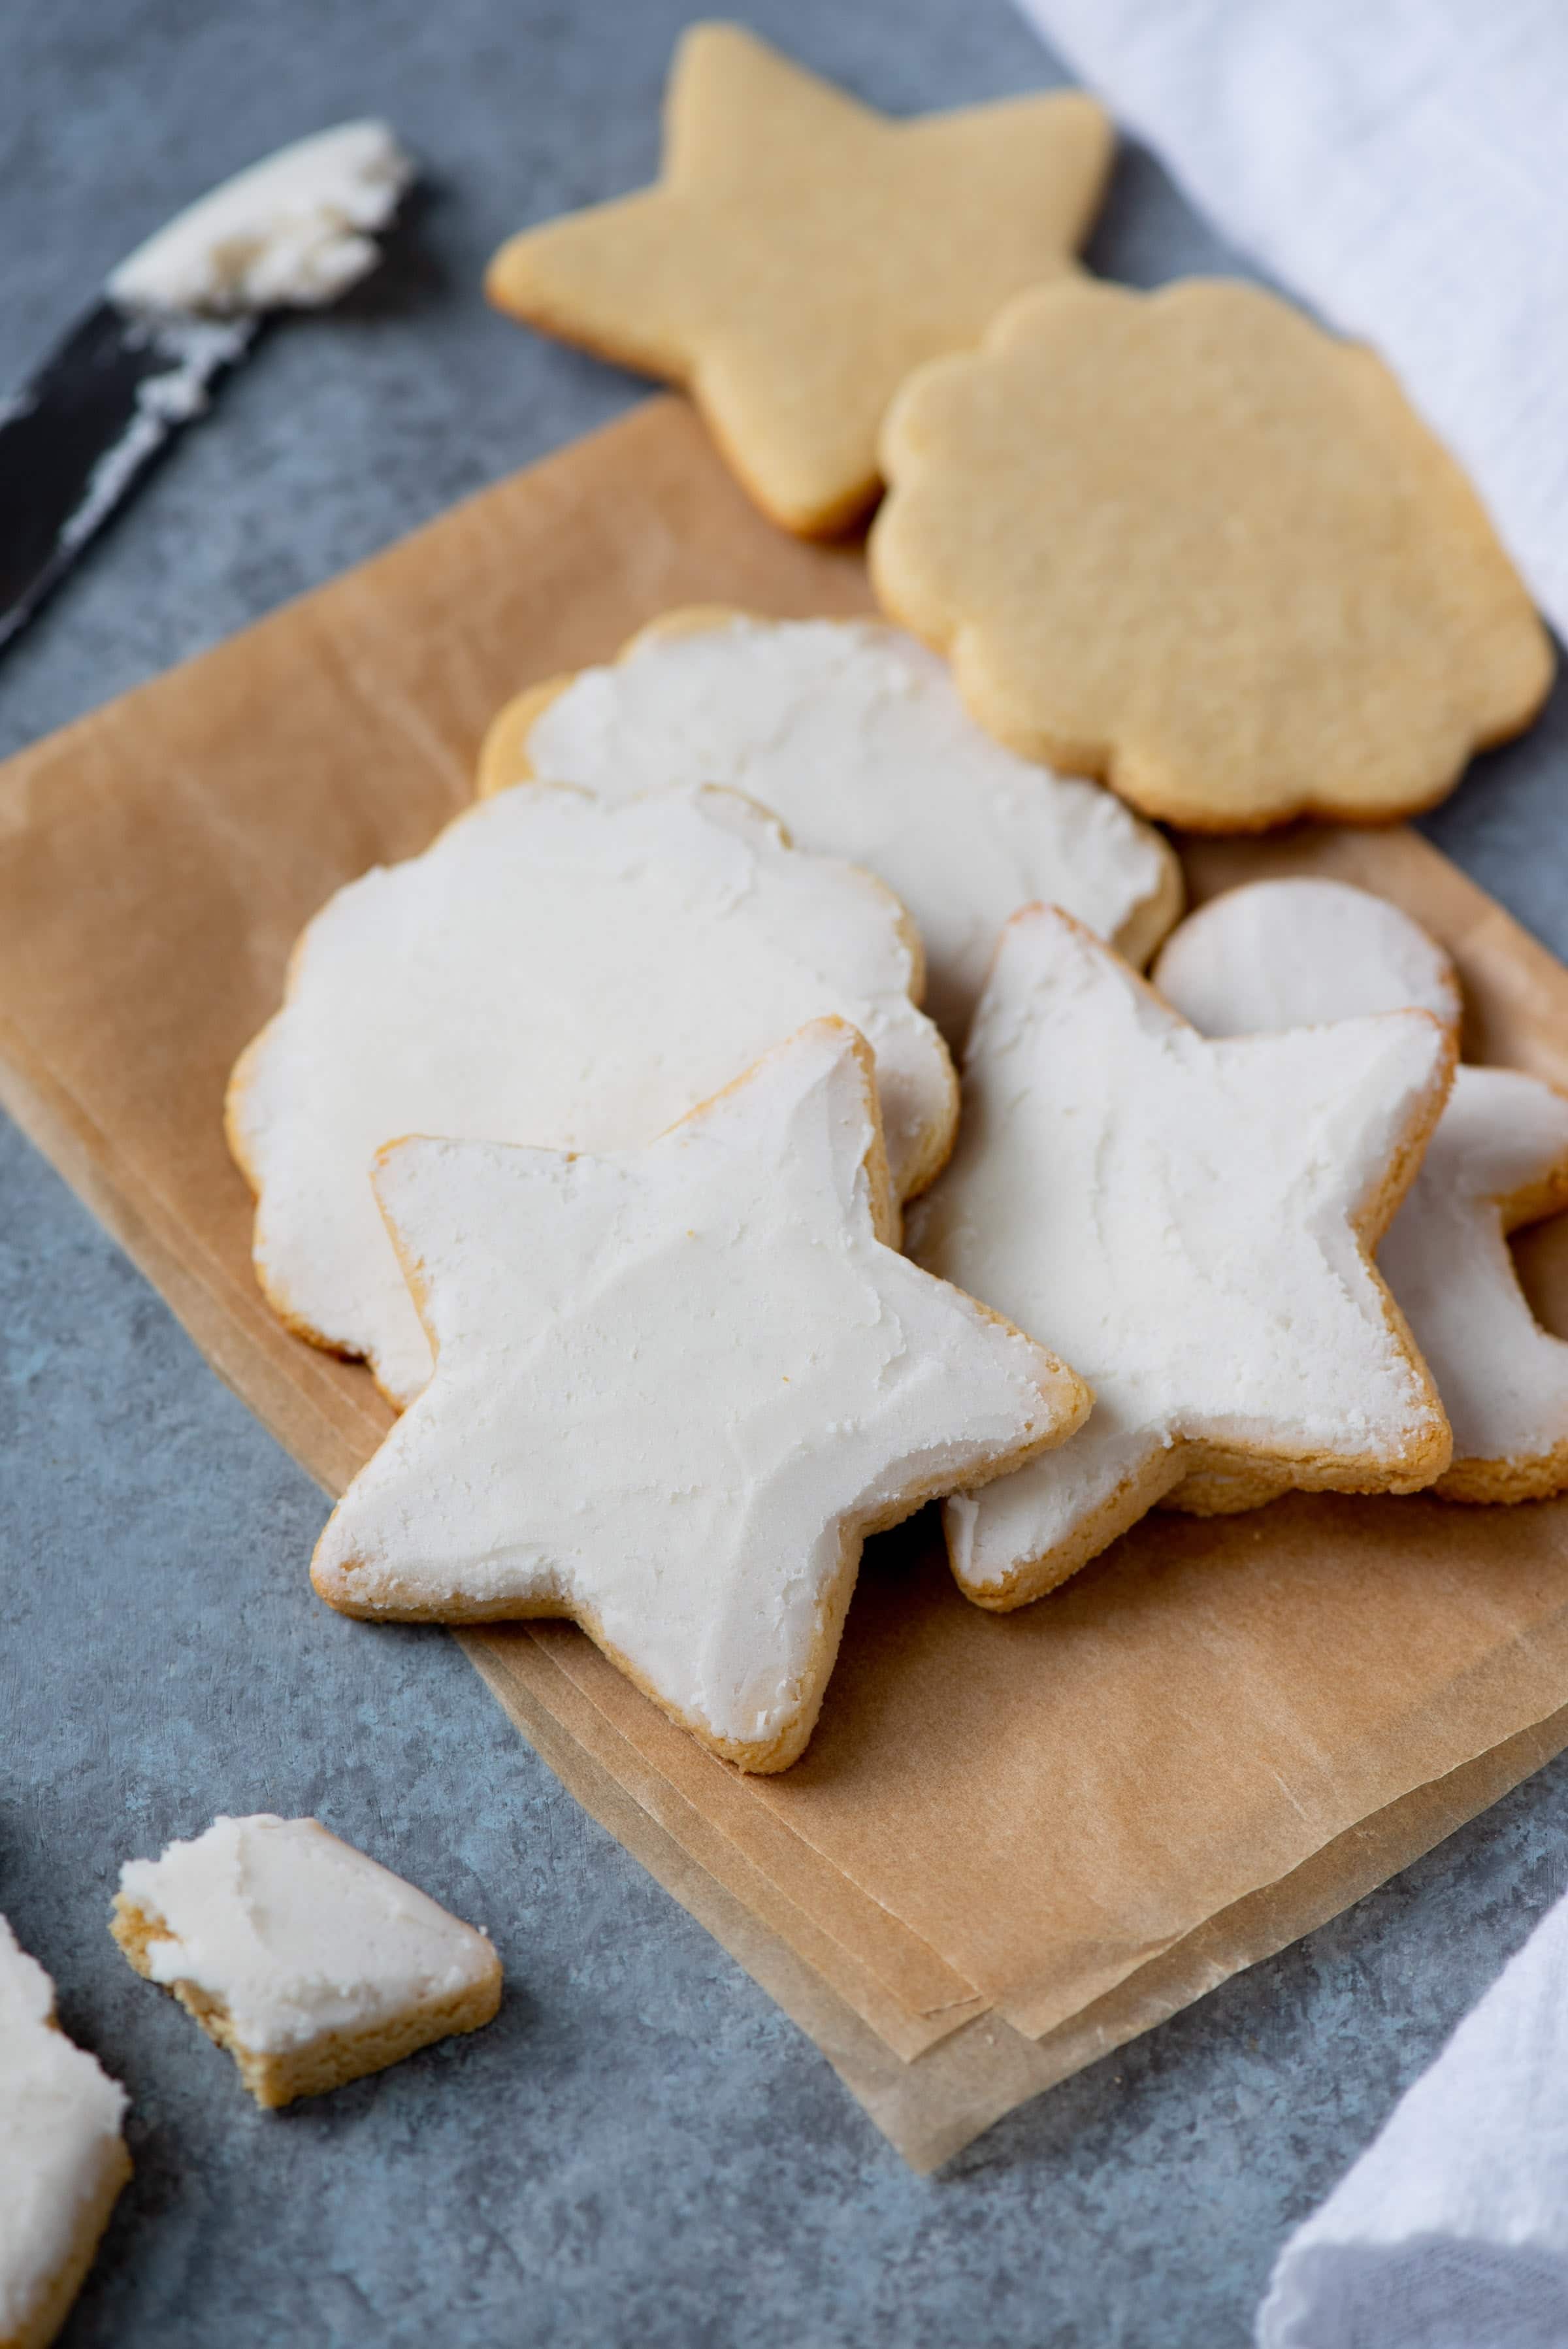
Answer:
[(62, 2157), (311, 1964)]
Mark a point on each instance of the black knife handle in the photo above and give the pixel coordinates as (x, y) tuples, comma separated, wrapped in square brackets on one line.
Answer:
[(76, 437)]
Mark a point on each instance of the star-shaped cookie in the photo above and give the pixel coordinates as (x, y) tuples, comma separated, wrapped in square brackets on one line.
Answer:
[(674, 1388), (1282, 954), (852, 734), (1189, 543), (1192, 1224), (801, 253)]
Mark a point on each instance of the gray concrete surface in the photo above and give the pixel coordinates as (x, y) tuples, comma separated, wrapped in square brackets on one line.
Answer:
[(641, 2150)]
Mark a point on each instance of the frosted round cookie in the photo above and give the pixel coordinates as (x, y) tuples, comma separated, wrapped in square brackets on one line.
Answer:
[(565, 971), (1250, 959), (674, 1388), (1191, 1224), (854, 736), (312, 1965), (62, 2157), (1290, 953)]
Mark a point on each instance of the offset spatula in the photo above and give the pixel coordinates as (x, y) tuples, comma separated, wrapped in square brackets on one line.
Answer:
[(294, 230)]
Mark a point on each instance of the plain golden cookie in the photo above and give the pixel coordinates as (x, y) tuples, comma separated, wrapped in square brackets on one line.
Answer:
[(1189, 543), (801, 253)]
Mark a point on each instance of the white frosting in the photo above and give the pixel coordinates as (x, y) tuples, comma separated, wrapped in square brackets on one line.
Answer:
[(297, 1935), (853, 734), (60, 2117), (1502, 1379), (1174, 1217), (1298, 953), (560, 970), (670, 1384), (1277, 955), (295, 229)]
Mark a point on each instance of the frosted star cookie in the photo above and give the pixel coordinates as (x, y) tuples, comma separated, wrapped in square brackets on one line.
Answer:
[(62, 2157), (674, 1388), (563, 971), (1289, 953), (1192, 1224), (309, 1963), (852, 734), (1188, 543), (801, 253)]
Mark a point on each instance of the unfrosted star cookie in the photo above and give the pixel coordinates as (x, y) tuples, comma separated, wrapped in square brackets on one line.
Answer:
[(312, 1965), (1192, 1224), (800, 253), (561, 970), (62, 2157), (1280, 954), (853, 734), (1187, 542), (674, 1388)]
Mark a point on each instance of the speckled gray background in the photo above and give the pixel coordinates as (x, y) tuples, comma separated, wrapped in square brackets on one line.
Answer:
[(641, 2150)]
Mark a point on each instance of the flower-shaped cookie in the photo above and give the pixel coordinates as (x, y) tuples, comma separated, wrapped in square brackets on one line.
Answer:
[(852, 734), (565, 971), (1189, 543)]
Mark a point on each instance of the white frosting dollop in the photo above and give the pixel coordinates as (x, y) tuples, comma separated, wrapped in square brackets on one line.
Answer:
[(562, 971), (295, 231), (855, 735), (60, 2116), (1283, 953), (1298, 953), (299, 1935), (673, 1387), (1175, 1218)]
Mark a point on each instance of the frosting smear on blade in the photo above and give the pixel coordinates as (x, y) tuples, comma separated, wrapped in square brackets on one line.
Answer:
[(675, 1388), (1190, 1223), (855, 735), (562, 971), (295, 231)]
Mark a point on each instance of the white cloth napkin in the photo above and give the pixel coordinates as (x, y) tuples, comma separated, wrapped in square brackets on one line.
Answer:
[(1451, 2230), (1403, 165)]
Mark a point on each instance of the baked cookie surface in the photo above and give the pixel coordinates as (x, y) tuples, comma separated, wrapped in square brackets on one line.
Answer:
[(1299, 953), (1189, 543), (310, 1963), (801, 253), (560, 970), (1292, 953), (62, 2157), (1191, 1224), (853, 734), (674, 1388)]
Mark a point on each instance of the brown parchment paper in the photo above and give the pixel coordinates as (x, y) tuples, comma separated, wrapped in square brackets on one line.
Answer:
[(1015, 1841)]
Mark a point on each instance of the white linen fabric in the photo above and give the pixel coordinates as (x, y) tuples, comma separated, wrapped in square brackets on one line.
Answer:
[(1451, 2230), (1403, 167)]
